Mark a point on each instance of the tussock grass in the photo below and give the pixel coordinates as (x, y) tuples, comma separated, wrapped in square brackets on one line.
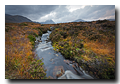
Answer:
[(20, 60), (88, 42)]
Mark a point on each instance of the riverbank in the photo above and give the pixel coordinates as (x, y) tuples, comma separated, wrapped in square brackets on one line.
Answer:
[(90, 44), (20, 60)]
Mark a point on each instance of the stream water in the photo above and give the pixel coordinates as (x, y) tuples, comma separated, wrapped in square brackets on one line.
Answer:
[(54, 61)]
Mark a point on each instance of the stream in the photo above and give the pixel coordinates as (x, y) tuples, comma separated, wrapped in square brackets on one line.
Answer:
[(54, 62)]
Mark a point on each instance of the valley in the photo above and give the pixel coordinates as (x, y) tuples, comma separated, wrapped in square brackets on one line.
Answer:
[(87, 45)]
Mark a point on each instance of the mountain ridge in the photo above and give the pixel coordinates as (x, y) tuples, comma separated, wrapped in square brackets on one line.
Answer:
[(16, 19), (79, 20), (48, 22)]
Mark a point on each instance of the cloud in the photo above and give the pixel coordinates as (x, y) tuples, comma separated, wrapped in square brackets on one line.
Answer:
[(94, 12), (30, 11), (72, 8), (86, 12), (57, 15), (62, 13), (47, 17)]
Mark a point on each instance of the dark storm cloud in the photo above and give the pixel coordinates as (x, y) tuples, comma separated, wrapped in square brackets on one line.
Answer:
[(62, 13), (88, 12), (31, 11)]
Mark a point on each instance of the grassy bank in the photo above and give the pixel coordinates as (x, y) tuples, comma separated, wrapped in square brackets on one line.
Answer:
[(91, 44), (20, 62)]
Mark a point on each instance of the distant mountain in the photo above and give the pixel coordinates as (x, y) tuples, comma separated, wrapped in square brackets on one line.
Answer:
[(48, 22), (15, 19), (36, 22), (111, 19), (79, 20)]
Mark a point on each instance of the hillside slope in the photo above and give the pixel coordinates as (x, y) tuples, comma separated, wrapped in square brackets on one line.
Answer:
[(15, 19)]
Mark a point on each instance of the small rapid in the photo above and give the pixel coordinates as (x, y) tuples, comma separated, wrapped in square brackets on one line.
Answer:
[(55, 63)]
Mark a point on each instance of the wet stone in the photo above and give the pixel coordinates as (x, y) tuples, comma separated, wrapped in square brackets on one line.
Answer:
[(54, 62)]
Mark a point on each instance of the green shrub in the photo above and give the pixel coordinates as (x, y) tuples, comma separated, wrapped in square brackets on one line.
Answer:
[(40, 33), (32, 39), (64, 34), (8, 28), (37, 70), (23, 24), (36, 35), (56, 38), (42, 25)]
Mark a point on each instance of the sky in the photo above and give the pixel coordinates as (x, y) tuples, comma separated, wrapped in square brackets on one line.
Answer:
[(62, 13)]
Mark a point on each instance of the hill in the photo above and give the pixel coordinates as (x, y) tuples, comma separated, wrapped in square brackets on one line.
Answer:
[(15, 19), (48, 22), (111, 19), (79, 20)]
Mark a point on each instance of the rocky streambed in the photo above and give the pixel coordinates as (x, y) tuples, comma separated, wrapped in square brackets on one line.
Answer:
[(54, 62)]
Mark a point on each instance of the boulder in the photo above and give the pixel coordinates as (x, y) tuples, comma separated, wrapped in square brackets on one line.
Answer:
[(59, 73)]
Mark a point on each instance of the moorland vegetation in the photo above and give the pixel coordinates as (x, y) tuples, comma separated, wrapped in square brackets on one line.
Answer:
[(20, 59), (90, 44)]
